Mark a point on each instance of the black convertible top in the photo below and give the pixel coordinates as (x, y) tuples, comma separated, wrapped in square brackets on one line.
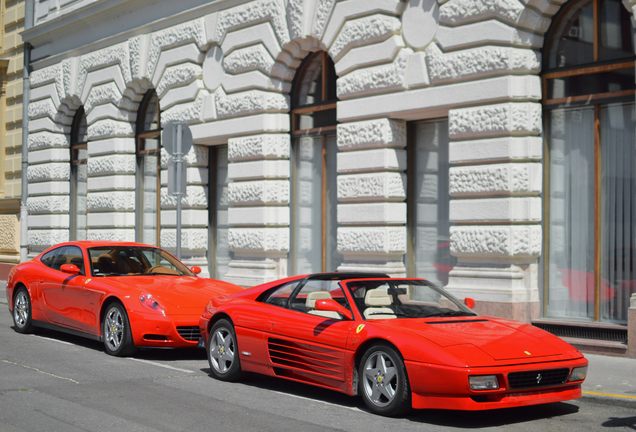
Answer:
[(345, 275)]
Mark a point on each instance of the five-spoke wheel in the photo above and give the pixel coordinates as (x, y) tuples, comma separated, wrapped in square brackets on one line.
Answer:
[(22, 319), (383, 381), (223, 352), (116, 332)]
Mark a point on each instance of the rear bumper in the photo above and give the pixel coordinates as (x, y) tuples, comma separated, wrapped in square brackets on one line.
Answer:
[(442, 387)]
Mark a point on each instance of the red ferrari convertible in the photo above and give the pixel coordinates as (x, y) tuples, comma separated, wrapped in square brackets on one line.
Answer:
[(124, 294), (399, 343)]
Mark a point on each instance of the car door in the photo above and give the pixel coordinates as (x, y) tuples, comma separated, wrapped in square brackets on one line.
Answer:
[(302, 341), (62, 292)]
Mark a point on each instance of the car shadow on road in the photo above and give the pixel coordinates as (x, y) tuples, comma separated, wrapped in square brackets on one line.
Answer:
[(448, 418), (163, 354)]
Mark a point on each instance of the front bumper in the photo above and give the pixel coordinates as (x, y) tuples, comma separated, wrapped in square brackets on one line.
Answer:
[(154, 330), (442, 387)]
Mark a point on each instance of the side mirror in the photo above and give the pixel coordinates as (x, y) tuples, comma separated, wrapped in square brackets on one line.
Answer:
[(196, 270), (469, 302), (70, 268), (333, 306)]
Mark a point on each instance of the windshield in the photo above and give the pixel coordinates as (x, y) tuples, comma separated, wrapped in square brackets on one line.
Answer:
[(135, 261), (404, 299)]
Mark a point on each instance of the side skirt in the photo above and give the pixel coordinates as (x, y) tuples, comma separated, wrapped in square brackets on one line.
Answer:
[(55, 327)]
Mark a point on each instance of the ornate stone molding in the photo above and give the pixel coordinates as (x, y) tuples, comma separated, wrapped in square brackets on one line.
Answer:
[(372, 241), (496, 179), (265, 146), (110, 201), (377, 79), (259, 192), (516, 241), (250, 102), (362, 31), (258, 239), (384, 186), (255, 57), (496, 120), (479, 62), (251, 13), (371, 134)]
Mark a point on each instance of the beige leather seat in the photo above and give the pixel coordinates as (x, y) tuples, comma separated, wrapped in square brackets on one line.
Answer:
[(311, 305), (376, 301)]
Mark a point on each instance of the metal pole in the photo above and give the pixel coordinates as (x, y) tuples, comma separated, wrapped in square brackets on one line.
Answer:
[(179, 168), (24, 227)]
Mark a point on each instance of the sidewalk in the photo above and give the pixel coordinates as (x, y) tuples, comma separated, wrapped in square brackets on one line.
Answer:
[(610, 380)]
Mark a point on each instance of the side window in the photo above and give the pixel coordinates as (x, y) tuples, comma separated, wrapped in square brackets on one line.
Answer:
[(69, 255), (280, 296), (48, 258), (313, 290)]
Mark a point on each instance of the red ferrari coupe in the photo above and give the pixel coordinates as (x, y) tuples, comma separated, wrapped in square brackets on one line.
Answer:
[(399, 343), (124, 294)]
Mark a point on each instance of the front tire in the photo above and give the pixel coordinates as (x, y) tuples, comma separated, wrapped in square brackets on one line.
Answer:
[(22, 312), (384, 385), (223, 354), (116, 332)]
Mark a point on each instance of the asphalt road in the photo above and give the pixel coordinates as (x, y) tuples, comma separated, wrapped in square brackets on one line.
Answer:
[(56, 382)]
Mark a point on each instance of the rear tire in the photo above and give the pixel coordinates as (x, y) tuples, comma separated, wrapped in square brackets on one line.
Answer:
[(223, 353), (22, 312), (116, 333), (384, 385)]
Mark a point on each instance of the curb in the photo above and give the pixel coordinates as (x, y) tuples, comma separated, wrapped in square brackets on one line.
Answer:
[(610, 399)]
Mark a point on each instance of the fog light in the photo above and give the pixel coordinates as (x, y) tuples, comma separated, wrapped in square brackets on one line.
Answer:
[(578, 374), (483, 382)]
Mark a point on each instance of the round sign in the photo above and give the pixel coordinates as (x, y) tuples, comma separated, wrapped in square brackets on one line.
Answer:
[(169, 137)]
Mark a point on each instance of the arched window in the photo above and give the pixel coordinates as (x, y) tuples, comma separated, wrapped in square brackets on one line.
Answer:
[(148, 140), (590, 163), (314, 149), (77, 223)]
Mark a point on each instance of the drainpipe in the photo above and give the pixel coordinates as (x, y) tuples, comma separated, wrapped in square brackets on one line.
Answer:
[(24, 227)]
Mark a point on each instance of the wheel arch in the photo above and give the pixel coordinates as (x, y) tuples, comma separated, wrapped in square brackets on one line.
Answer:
[(217, 317), (16, 287), (107, 302), (363, 347)]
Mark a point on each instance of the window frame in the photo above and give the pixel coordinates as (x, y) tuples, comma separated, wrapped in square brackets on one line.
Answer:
[(596, 100), (76, 144), (141, 134)]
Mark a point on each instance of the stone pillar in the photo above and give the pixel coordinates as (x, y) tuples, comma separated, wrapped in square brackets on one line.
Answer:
[(258, 213), (194, 210), (371, 194), (496, 183), (110, 198), (631, 327)]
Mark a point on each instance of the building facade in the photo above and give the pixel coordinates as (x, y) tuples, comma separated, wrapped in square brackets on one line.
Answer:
[(11, 68), (485, 145)]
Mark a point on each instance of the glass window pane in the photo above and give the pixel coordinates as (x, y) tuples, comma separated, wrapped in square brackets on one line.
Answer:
[(572, 41), (571, 221), (223, 256), (618, 275), (149, 207), (583, 85), (334, 259), (431, 259), (616, 33), (308, 89), (306, 256)]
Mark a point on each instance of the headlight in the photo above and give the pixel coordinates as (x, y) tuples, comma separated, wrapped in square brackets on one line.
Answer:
[(578, 374), (149, 302), (483, 382)]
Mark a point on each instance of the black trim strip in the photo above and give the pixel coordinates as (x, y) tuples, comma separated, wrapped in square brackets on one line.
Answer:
[(56, 327), (457, 321)]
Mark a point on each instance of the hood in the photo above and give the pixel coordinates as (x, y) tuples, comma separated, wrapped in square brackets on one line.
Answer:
[(177, 294), (499, 341)]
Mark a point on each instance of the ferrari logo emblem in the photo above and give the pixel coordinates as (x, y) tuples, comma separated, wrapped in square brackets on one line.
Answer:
[(539, 378), (87, 281), (527, 353), (360, 327)]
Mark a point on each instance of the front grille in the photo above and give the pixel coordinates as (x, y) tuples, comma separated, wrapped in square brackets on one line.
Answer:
[(540, 378), (190, 333)]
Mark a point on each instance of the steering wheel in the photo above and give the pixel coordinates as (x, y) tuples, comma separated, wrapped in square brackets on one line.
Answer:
[(154, 268)]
